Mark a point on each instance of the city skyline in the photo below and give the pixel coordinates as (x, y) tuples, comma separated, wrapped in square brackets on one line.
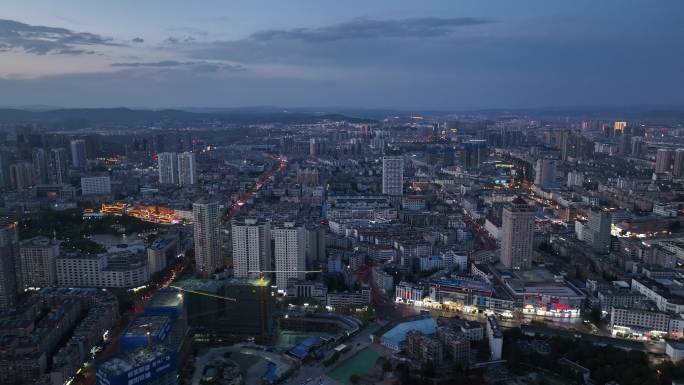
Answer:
[(331, 193)]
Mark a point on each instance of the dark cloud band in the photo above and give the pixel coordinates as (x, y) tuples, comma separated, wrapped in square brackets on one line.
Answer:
[(373, 29), (43, 40), (202, 66)]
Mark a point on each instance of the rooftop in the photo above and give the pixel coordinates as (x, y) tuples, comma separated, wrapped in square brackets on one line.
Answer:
[(167, 297), (40, 241), (262, 281), (203, 285), (462, 283), (397, 334), (161, 243), (125, 362), (666, 288), (142, 325)]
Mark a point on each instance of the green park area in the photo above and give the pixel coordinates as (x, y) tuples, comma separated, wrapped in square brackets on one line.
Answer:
[(74, 231), (359, 364)]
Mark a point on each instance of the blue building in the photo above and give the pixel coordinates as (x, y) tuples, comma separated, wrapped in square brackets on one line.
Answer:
[(144, 331), (394, 338), (169, 302), (149, 365)]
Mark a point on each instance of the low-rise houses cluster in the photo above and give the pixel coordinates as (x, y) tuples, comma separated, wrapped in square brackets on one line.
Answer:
[(440, 343), (31, 337)]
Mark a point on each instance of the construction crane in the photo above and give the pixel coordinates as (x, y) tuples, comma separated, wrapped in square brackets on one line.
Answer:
[(284, 271), (203, 293)]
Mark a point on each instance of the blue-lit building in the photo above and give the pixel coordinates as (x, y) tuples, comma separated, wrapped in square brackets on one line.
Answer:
[(148, 365), (395, 337), (307, 348), (152, 345), (145, 330), (169, 302)]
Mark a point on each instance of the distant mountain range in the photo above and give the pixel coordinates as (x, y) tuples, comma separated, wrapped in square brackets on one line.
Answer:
[(82, 117)]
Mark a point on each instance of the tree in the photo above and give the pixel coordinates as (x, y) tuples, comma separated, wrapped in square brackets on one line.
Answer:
[(354, 379)]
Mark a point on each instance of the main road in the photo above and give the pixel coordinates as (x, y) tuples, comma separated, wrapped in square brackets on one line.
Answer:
[(278, 167), (86, 373)]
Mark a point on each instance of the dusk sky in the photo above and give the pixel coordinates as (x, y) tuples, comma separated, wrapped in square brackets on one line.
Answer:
[(370, 54)]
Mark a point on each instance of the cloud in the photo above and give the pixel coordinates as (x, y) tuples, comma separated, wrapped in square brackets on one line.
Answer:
[(138, 40), (373, 29), (189, 31), (172, 40), (201, 66), (41, 40), (163, 63), (359, 42)]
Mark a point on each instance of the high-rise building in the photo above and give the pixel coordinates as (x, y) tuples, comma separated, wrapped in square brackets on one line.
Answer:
[(598, 228), (21, 175), (316, 146), (24, 140), (545, 173), (93, 145), (5, 180), (10, 273), (163, 250), (251, 247), (393, 175), (625, 144), (619, 126), (424, 349), (251, 314), (248, 315), (290, 253), (315, 246), (637, 146), (474, 154), (168, 167), (38, 264), (207, 227), (678, 166), (575, 179), (96, 185), (663, 160), (517, 236), (60, 166), (40, 166), (608, 130), (122, 269), (187, 169), (494, 337), (78, 153)]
